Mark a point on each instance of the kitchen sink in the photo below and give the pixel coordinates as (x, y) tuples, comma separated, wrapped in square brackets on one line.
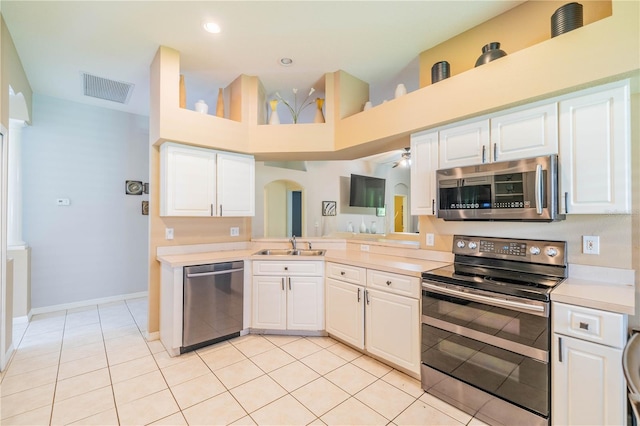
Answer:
[(289, 252)]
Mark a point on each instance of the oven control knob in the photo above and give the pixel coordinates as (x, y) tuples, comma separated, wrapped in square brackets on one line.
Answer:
[(472, 245), (534, 250), (551, 252), (460, 244)]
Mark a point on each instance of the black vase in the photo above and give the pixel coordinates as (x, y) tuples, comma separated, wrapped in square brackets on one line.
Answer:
[(439, 71), (566, 18), (490, 52)]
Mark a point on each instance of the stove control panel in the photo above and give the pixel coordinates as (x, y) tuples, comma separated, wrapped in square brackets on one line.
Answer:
[(534, 251)]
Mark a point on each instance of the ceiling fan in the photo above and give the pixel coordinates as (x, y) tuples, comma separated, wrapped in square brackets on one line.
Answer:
[(405, 159)]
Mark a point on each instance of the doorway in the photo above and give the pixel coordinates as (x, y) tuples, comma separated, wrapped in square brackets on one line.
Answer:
[(284, 209), (399, 213)]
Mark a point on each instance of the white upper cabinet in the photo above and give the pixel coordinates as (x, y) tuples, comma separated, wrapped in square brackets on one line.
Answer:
[(187, 180), (424, 163), (236, 185), (595, 166), (202, 182), (465, 144), (525, 133)]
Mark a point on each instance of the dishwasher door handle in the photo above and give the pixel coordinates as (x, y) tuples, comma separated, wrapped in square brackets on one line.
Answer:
[(207, 274)]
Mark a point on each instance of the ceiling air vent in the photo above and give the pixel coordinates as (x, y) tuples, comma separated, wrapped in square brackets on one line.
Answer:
[(103, 88)]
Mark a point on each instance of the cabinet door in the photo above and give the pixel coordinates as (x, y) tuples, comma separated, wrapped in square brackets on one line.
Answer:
[(305, 307), (595, 167), (236, 185), (269, 303), (464, 145), (525, 133), (588, 383), (393, 328), (424, 163), (187, 181), (345, 312)]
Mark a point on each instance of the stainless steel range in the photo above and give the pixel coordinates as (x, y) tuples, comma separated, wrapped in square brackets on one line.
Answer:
[(486, 328)]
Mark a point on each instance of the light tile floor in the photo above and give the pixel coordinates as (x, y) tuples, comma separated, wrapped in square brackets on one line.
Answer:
[(92, 366)]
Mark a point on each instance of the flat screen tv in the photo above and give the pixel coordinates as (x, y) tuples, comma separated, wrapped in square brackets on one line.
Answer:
[(366, 191)]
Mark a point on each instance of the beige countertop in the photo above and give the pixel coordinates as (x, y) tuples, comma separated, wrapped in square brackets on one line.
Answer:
[(400, 265), (397, 264), (607, 289)]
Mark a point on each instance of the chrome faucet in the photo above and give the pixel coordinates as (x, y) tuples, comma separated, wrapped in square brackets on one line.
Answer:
[(309, 242), (293, 242)]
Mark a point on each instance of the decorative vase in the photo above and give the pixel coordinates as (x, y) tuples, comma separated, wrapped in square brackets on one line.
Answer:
[(274, 118), (566, 18), (490, 52), (202, 107), (439, 71), (220, 104), (319, 118), (183, 93), (363, 227), (350, 227), (373, 227), (401, 90)]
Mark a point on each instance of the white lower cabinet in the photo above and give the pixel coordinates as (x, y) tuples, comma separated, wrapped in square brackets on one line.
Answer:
[(345, 312), (392, 329), (588, 385), (375, 311), (288, 295)]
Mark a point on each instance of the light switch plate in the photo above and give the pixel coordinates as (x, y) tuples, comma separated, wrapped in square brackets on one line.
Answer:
[(590, 244), (168, 233), (430, 239)]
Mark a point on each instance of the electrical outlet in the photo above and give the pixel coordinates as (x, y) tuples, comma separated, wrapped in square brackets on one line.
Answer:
[(63, 202), (590, 244), (168, 234), (364, 247), (234, 231), (430, 239)]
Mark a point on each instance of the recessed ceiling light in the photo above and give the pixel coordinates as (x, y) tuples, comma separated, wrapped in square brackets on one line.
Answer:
[(212, 27), (286, 62)]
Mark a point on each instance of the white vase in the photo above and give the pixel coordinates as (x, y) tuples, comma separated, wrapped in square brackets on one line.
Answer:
[(274, 118), (202, 107), (400, 90), (350, 227), (363, 227), (373, 227)]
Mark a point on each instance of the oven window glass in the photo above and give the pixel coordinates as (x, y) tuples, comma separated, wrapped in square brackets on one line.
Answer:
[(510, 376), (519, 327), (465, 197)]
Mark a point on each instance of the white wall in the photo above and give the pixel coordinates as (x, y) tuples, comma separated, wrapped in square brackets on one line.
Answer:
[(97, 246), (322, 182)]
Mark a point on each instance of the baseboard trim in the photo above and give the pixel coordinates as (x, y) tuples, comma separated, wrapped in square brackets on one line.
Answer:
[(23, 319), (85, 303), (6, 359), (153, 336)]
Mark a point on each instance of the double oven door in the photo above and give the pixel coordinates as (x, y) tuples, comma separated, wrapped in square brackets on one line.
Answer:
[(486, 353)]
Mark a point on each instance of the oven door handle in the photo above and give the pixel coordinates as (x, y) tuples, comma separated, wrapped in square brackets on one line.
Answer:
[(470, 295)]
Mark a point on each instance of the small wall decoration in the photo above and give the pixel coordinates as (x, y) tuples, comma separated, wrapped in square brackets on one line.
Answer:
[(381, 211), (133, 187), (145, 208), (328, 208)]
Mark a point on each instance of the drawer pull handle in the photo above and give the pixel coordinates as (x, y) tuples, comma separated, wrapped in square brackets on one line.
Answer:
[(342, 273), (584, 325), (388, 282), (358, 295)]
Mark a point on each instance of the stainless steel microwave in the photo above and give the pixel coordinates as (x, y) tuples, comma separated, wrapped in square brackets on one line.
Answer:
[(518, 190)]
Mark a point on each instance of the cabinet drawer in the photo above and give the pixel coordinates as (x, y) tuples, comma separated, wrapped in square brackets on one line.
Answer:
[(394, 283), (347, 273), (292, 267), (606, 328)]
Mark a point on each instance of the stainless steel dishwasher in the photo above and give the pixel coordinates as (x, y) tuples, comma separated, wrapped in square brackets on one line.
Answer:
[(212, 304)]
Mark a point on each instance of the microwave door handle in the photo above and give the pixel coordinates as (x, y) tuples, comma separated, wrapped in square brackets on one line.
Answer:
[(539, 189)]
